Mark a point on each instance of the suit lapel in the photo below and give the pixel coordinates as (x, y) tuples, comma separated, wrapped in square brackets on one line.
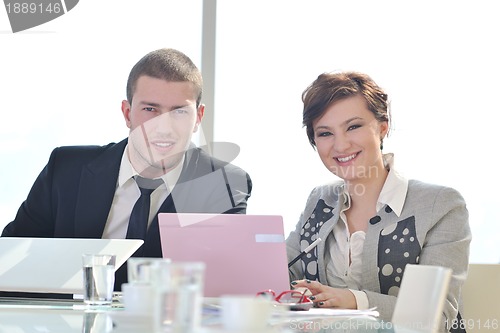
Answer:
[(96, 191)]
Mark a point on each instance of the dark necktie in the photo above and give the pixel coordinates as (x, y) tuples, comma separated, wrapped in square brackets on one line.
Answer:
[(138, 223)]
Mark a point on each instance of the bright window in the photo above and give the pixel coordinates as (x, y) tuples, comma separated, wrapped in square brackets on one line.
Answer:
[(62, 84)]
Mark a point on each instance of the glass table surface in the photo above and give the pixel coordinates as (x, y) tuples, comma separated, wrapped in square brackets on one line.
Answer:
[(42, 316)]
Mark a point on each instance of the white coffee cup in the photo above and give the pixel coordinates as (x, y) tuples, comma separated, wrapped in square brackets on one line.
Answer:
[(138, 298), (245, 313)]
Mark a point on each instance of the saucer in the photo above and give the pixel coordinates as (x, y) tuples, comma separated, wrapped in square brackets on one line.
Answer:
[(127, 319)]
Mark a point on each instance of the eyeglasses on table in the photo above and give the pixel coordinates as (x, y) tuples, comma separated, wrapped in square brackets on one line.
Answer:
[(295, 300)]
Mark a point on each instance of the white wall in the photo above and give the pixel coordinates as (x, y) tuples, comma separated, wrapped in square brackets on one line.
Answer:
[(62, 83)]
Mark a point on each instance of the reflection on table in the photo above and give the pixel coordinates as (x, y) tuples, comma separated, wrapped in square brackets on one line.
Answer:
[(37, 317)]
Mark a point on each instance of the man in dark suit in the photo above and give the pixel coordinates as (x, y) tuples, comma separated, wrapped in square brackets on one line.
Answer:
[(90, 191)]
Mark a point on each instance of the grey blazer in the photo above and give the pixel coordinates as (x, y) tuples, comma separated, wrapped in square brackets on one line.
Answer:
[(433, 229)]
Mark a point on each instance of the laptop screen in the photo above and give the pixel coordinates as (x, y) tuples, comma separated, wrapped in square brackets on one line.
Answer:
[(243, 254), (53, 265)]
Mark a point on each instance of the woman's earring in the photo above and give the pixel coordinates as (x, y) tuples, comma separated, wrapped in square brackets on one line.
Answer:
[(381, 144)]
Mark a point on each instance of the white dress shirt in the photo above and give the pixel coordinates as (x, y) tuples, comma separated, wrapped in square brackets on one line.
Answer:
[(127, 192), (343, 259)]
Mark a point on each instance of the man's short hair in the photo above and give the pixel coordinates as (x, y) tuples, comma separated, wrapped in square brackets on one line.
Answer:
[(169, 65)]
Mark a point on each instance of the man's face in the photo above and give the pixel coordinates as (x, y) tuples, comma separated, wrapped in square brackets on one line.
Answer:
[(162, 119)]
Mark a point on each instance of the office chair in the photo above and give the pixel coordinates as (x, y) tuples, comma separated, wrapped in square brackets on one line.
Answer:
[(481, 297)]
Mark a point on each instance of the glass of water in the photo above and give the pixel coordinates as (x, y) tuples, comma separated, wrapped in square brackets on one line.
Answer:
[(178, 296), (98, 279)]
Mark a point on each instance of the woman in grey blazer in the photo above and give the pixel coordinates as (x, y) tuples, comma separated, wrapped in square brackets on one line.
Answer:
[(373, 221)]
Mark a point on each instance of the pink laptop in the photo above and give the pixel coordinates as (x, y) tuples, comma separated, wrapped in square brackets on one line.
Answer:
[(244, 254)]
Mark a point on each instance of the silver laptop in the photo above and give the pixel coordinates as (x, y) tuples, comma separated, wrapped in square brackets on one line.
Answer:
[(54, 265)]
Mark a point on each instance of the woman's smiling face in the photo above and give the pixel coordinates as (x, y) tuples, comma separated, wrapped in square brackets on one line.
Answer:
[(348, 138)]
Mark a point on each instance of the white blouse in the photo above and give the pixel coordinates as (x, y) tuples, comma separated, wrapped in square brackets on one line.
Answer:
[(343, 256)]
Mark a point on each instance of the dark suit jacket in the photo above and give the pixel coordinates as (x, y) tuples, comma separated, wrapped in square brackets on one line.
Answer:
[(72, 196)]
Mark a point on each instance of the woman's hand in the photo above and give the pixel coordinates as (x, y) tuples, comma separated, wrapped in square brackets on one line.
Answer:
[(328, 297)]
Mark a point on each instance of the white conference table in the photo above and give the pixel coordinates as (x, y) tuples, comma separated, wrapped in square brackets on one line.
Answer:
[(69, 317)]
